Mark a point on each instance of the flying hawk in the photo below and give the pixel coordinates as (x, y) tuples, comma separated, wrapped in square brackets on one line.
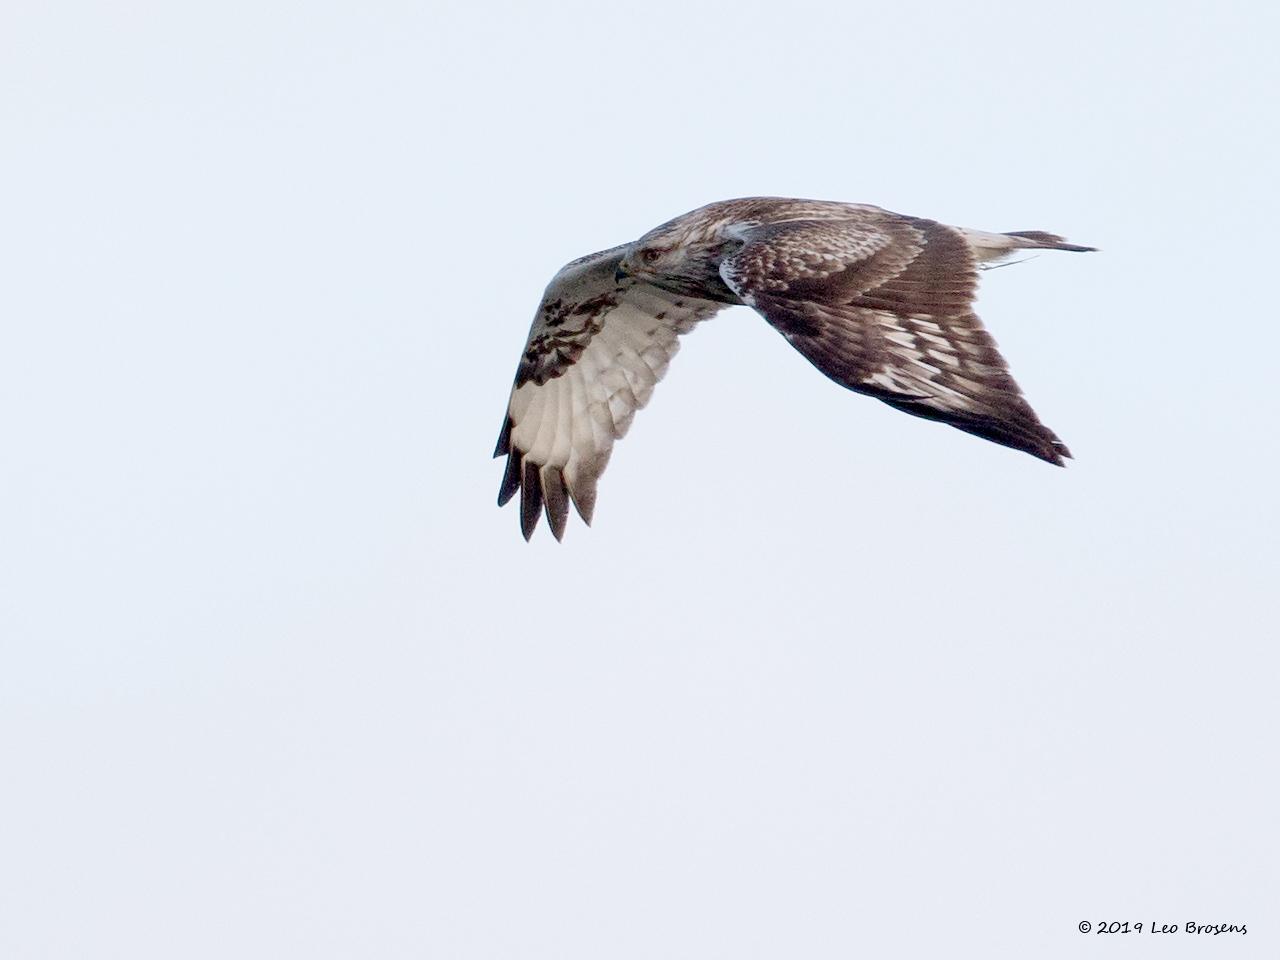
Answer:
[(879, 302)]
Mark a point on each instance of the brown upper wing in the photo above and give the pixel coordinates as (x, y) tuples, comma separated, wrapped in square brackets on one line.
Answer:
[(597, 348), (882, 304)]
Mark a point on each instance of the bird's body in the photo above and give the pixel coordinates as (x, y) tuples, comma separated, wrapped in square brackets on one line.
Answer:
[(879, 302)]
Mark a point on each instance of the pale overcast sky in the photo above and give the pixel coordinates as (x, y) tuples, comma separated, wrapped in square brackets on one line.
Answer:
[(278, 678)]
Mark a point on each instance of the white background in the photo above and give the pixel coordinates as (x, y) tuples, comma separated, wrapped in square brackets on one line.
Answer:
[(277, 678)]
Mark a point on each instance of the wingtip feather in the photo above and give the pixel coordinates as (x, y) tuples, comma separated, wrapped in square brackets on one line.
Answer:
[(555, 501), (510, 479), (1052, 450), (530, 500), (504, 438), (583, 496)]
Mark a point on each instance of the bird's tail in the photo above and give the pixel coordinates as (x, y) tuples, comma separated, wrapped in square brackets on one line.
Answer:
[(1039, 240), (988, 247)]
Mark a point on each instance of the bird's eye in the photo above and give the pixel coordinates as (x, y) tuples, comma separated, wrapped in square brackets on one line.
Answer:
[(650, 255)]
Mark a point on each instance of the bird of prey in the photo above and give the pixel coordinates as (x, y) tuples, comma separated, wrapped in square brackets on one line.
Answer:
[(879, 302)]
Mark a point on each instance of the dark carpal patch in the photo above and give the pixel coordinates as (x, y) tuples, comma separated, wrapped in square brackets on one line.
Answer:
[(551, 352)]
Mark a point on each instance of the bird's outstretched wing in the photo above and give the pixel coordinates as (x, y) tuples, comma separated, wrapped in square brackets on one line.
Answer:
[(597, 347), (882, 304)]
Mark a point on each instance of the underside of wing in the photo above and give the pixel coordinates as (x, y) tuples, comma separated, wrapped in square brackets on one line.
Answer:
[(883, 305), (597, 348)]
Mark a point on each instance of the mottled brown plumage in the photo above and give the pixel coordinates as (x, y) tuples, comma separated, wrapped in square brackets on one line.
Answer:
[(880, 303)]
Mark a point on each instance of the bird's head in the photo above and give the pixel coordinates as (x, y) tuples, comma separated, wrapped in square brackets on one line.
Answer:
[(681, 264), (652, 261)]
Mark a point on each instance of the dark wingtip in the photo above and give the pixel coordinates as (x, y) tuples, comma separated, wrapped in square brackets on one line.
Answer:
[(530, 500), (510, 480), (1055, 452), (555, 501), (583, 496), (504, 438)]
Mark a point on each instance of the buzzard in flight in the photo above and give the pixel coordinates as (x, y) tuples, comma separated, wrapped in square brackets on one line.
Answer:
[(879, 302)]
